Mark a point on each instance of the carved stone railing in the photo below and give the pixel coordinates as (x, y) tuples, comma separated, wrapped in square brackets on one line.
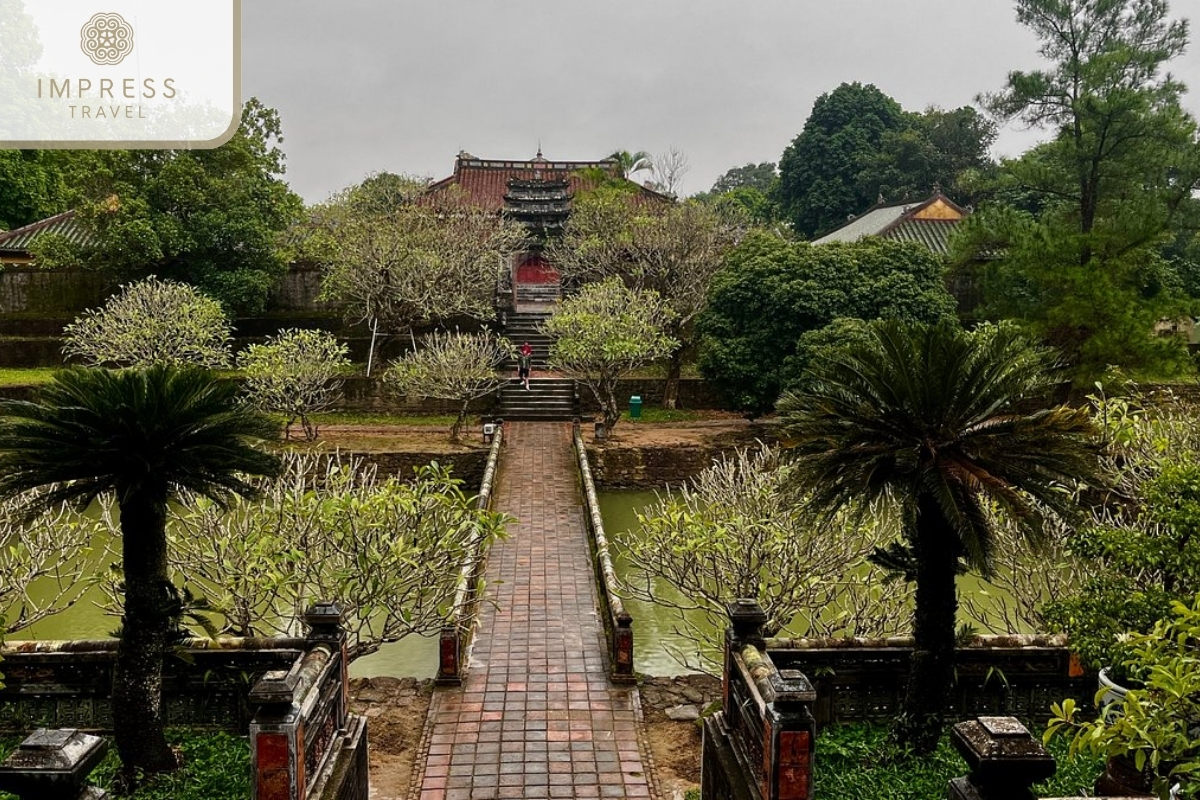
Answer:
[(304, 744), (618, 623), (455, 639), (67, 684), (759, 746), (864, 679)]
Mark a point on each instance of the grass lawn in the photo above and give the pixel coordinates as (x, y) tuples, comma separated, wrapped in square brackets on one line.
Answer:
[(25, 377), (216, 767), (851, 762), (657, 414)]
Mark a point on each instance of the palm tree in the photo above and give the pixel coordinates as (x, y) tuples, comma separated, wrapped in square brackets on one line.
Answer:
[(629, 163), (145, 438), (943, 425)]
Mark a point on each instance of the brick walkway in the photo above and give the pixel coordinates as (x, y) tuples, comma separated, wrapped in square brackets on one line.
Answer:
[(537, 716)]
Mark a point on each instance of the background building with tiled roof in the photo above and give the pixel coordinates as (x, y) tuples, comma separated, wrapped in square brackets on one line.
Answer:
[(16, 245), (929, 222), (538, 193)]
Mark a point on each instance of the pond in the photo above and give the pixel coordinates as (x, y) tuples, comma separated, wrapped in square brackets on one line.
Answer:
[(413, 656), (654, 625)]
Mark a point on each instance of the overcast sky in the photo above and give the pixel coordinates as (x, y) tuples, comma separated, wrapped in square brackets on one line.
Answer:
[(403, 85)]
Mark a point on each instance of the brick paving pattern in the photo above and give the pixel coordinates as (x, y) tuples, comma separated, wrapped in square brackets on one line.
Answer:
[(536, 716)]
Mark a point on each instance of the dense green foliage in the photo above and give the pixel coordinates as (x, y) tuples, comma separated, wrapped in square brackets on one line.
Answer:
[(938, 426), (216, 767), (772, 292), (145, 438), (152, 322), (762, 177), (1080, 260), (210, 218), (851, 762), (858, 146), (1156, 722)]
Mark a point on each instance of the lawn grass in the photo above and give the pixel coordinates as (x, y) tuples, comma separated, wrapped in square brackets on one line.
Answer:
[(383, 418), (216, 766), (658, 414), (26, 377), (851, 762)]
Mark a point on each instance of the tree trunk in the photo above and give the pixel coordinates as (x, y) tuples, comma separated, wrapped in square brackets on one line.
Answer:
[(931, 672), (456, 428), (612, 412), (137, 678), (671, 385)]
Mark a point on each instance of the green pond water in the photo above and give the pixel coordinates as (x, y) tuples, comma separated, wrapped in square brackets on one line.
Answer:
[(653, 625), (413, 656), (418, 656)]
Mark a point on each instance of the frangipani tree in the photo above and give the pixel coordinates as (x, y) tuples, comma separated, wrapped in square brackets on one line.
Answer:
[(452, 366), (152, 321), (430, 259), (605, 332), (296, 373)]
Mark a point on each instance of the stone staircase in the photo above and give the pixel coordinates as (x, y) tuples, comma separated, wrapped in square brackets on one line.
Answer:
[(545, 399), (547, 293), (523, 327)]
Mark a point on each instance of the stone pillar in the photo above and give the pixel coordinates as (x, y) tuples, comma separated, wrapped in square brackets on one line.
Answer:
[(746, 619), (623, 646), (789, 736), (54, 765), (449, 661), (276, 739), (1003, 758), (324, 621)]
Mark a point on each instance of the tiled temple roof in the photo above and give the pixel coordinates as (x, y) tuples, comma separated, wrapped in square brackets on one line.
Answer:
[(64, 224), (929, 222)]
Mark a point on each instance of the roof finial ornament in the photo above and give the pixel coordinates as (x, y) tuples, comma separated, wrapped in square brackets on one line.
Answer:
[(937, 187), (880, 199)]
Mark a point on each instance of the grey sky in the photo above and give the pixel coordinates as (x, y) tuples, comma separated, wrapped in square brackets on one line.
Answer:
[(369, 85)]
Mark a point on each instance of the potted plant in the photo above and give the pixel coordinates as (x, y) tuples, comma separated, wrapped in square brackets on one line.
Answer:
[(1157, 734)]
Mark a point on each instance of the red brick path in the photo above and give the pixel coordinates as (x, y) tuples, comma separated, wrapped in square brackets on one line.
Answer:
[(537, 716)]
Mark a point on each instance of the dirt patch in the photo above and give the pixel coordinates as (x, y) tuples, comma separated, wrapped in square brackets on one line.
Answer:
[(396, 709), (675, 743)]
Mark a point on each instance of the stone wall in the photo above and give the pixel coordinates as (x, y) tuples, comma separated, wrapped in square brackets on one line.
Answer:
[(60, 294), (617, 465)]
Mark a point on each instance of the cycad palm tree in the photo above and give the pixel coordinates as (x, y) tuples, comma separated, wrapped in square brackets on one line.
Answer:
[(943, 424), (143, 437)]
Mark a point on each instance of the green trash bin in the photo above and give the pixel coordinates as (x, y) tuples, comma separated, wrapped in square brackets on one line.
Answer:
[(635, 407)]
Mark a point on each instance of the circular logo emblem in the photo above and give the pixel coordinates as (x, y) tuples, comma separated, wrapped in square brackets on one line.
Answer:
[(106, 39)]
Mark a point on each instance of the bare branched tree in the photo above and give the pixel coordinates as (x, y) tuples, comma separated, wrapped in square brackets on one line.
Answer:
[(432, 259), (674, 250), (669, 169), (45, 561)]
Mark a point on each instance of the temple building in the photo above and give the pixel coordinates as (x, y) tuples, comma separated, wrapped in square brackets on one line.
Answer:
[(929, 222), (538, 193)]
